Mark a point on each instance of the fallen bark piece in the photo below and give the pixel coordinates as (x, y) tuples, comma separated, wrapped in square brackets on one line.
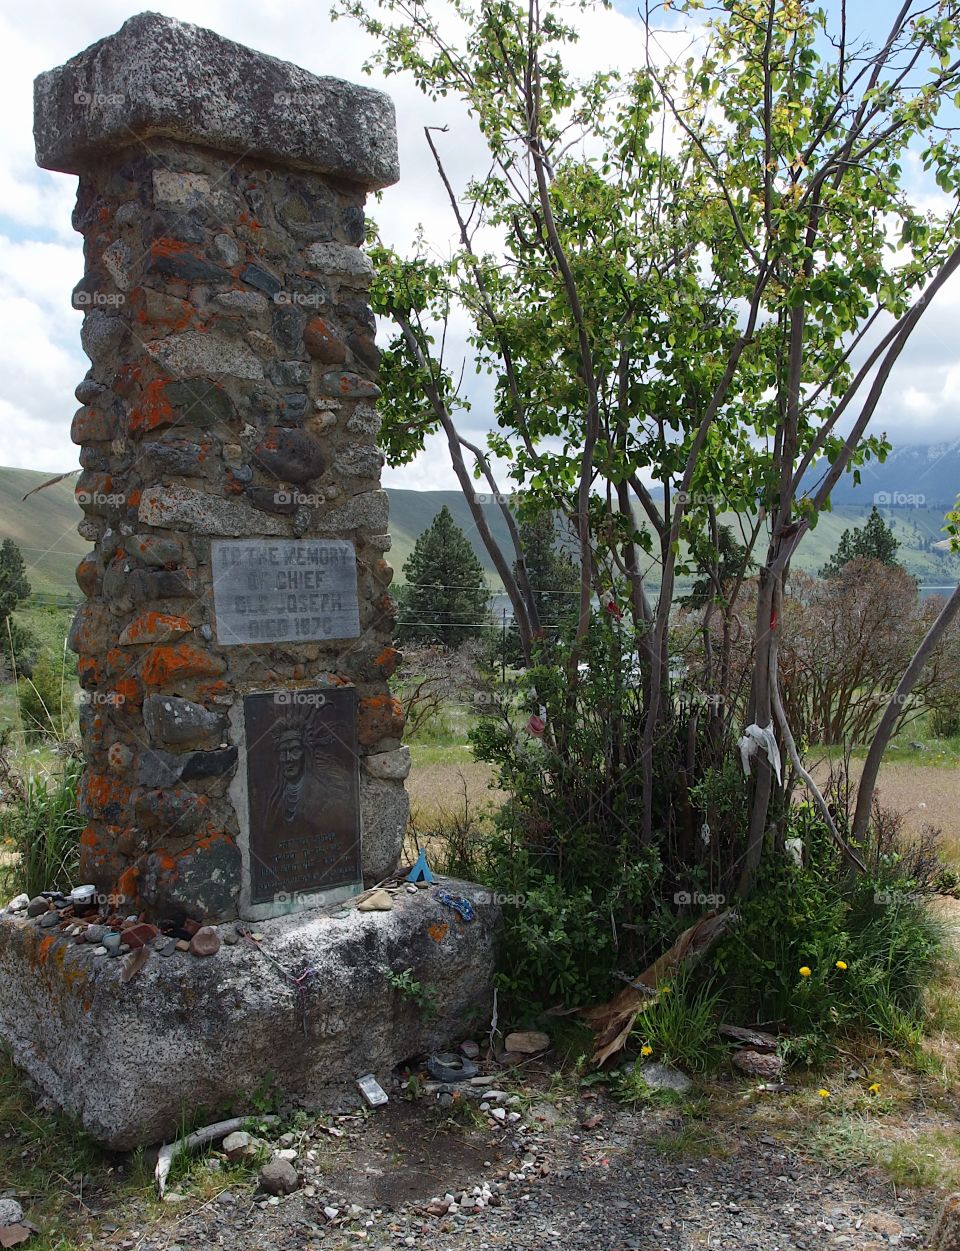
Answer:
[(613, 1021), (199, 1138), (754, 1038), (527, 1042)]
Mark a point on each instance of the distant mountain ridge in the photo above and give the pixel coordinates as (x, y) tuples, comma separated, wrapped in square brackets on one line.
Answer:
[(924, 476), (45, 525)]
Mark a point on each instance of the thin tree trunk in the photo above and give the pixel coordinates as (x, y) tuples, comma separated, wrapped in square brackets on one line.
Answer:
[(893, 712)]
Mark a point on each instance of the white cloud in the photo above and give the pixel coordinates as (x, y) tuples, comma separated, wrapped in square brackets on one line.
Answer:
[(40, 261)]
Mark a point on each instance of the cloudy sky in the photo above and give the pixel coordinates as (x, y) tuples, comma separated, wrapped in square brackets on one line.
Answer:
[(40, 256)]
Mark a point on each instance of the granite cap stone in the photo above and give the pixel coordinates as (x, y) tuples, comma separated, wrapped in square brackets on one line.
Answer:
[(161, 78)]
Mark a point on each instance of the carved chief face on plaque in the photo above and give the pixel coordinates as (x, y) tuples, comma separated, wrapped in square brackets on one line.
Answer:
[(302, 775), (310, 776)]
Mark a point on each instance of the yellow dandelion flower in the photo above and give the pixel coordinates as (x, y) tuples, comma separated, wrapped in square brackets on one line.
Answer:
[(646, 1050), (805, 970), (665, 990), (874, 1089), (841, 965), (824, 1094)]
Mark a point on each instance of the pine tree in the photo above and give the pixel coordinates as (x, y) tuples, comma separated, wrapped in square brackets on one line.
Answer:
[(17, 644), (874, 541), (14, 586), (445, 598), (554, 578), (554, 581)]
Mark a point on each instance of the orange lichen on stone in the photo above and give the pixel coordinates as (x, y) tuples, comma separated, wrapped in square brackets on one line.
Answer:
[(379, 716), (126, 691), (87, 576), (87, 667), (154, 410), (388, 660), (164, 664), (101, 791), (168, 247), (154, 627), (128, 883), (438, 932)]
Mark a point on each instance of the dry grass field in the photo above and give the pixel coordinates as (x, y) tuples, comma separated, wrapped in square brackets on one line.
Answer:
[(446, 778)]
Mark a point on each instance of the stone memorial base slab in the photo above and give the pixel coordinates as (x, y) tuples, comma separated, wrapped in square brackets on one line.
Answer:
[(133, 1061)]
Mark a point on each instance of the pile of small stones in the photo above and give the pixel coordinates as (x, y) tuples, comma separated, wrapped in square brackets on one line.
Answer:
[(80, 918)]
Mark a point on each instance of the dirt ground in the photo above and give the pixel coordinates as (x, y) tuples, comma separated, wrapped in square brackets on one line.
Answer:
[(925, 795), (750, 1171)]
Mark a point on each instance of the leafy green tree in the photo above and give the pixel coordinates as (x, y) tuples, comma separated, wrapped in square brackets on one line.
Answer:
[(690, 265), (873, 541), (445, 597)]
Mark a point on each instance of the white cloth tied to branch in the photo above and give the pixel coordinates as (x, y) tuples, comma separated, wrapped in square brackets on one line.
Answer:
[(754, 738)]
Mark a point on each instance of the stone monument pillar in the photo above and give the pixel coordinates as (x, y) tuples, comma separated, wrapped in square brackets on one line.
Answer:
[(234, 646)]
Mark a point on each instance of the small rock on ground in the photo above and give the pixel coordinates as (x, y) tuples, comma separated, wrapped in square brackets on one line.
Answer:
[(279, 1177)]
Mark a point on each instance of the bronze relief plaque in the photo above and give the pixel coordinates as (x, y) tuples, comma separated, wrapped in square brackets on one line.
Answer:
[(303, 789)]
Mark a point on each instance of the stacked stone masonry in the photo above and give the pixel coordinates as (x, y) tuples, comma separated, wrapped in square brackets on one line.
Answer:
[(231, 394)]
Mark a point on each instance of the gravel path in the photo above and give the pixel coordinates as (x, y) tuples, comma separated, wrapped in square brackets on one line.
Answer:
[(624, 1186)]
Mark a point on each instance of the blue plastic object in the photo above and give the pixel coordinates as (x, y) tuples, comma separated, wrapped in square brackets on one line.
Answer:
[(421, 870), (459, 903)]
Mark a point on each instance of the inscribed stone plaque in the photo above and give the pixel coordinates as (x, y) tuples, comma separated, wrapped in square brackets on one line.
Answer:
[(284, 590), (303, 783)]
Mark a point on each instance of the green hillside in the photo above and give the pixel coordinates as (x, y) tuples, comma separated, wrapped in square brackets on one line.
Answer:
[(44, 526), (915, 528)]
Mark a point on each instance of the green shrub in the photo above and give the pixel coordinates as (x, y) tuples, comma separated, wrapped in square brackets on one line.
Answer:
[(944, 719), (43, 698), (821, 949), (586, 899), (44, 828), (583, 895)]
